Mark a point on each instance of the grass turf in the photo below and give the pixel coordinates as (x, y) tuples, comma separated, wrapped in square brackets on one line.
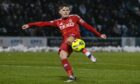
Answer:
[(46, 68)]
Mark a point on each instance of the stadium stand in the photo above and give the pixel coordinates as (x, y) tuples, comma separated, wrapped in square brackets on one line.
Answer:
[(116, 18)]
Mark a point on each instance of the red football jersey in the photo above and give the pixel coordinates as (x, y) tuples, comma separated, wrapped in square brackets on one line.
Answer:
[(68, 26)]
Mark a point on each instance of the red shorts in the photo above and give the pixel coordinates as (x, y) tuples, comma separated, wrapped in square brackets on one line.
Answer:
[(64, 46)]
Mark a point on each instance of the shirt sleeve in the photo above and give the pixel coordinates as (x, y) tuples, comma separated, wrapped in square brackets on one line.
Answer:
[(42, 24), (88, 27)]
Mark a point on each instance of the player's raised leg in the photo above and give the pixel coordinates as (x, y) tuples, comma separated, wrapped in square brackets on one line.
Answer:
[(84, 51), (89, 55)]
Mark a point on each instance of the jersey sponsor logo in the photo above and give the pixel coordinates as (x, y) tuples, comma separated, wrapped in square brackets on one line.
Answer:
[(66, 25)]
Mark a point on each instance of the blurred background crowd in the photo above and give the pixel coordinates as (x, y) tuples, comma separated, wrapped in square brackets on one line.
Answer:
[(116, 18)]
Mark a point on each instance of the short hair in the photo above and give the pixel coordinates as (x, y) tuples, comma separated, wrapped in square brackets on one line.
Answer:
[(60, 6)]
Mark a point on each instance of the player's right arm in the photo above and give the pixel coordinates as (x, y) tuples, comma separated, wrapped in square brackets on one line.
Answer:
[(38, 24)]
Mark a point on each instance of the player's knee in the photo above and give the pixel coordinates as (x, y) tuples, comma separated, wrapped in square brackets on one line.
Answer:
[(70, 40), (84, 50), (63, 54)]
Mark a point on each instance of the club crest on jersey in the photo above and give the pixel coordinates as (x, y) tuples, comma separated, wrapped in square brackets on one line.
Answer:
[(66, 25)]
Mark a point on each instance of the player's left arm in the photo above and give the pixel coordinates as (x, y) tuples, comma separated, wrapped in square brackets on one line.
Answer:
[(91, 28)]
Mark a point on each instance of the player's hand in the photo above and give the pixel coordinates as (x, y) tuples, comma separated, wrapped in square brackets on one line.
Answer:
[(103, 36), (26, 26)]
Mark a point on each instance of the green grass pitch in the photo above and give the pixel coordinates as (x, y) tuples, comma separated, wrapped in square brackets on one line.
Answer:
[(46, 68)]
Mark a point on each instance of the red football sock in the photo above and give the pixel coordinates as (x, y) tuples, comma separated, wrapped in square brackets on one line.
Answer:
[(67, 67)]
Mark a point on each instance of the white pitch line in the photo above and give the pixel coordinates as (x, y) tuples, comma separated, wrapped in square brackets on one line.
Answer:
[(49, 67), (118, 64)]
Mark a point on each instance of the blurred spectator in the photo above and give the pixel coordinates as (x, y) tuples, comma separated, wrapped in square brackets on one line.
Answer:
[(112, 17), (82, 9)]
